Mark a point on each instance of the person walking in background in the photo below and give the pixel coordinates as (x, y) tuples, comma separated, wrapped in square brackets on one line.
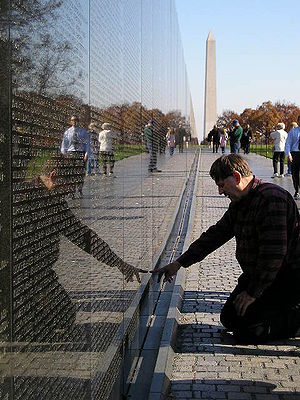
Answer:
[(235, 135), (180, 134), (215, 135), (76, 145), (209, 140), (265, 222), (279, 137), (289, 166), (93, 161), (171, 140), (223, 139), (152, 140), (107, 138), (292, 150), (246, 139)]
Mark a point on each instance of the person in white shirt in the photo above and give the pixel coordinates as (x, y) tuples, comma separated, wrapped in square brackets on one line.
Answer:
[(76, 145), (279, 137), (107, 139)]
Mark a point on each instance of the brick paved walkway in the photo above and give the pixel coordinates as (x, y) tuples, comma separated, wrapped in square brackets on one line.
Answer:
[(208, 365)]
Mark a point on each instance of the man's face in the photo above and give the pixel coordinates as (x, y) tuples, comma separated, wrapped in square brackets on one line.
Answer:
[(74, 121), (229, 188)]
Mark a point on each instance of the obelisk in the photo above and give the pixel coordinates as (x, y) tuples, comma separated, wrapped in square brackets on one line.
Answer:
[(210, 102)]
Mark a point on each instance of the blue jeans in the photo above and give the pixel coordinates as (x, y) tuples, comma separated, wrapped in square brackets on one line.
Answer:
[(234, 147)]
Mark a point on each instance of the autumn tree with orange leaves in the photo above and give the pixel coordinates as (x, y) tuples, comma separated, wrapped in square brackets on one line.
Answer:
[(264, 118)]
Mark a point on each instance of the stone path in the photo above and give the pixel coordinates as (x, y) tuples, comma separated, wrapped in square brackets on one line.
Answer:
[(208, 365)]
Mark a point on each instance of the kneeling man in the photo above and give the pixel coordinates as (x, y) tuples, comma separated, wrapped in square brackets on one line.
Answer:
[(265, 222)]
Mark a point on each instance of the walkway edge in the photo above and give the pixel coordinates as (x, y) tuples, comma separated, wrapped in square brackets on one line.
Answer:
[(163, 368)]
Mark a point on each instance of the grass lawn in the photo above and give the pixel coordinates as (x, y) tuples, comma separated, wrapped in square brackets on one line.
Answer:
[(128, 150), (263, 150)]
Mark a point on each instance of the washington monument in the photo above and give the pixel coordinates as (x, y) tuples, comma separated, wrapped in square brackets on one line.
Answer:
[(210, 102)]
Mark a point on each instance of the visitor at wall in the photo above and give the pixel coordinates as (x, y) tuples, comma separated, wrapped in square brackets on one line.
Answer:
[(235, 135), (76, 145), (152, 139), (170, 136), (292, 150), (289, 165), (214, 134), (246, 139), (279, 138), (265, 221), (223, 139), (107, 138)]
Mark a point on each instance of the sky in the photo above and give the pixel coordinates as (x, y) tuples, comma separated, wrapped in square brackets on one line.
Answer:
[(257, 51)]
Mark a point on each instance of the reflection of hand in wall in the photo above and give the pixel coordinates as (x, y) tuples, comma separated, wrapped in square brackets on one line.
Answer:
[(129, 272)]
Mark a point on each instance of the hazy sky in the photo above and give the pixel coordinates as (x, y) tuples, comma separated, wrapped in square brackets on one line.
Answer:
[(257, 47)]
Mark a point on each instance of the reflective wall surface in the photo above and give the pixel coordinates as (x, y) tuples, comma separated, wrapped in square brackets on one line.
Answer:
[(79, 81)]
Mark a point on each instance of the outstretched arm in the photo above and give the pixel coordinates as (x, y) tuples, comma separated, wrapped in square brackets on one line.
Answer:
[(89, 241), (209, 241)]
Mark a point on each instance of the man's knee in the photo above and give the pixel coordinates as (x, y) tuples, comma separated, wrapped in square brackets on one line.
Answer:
[(228, 316)]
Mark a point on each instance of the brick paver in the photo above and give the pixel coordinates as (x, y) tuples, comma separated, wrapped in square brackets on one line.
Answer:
[(208, 364)]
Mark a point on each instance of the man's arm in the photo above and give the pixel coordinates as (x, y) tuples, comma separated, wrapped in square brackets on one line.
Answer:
[(209, 241), (287, 148), (87, 145)]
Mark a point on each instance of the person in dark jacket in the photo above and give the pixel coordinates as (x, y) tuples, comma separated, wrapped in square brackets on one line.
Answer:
[(215, 135), (246, 139), (180, 137), (265, 222), (235, 136)]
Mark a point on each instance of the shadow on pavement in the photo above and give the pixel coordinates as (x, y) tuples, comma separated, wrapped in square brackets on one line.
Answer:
[(230, 389)]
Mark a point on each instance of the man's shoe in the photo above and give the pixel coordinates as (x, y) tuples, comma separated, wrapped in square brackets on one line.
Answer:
[(296, 195), (275, 175), (156, 170), (281, 176), (288, 174)]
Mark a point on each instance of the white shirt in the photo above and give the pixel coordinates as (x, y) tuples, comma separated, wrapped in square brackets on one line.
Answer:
[(279, 138), (106, 140), (75, 139)]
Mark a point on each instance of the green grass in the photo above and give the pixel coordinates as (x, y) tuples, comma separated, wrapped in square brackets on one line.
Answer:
[(127, 150), (263, 150)]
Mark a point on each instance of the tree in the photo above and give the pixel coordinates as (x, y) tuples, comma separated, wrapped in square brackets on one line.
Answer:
[(264, 118), (225, 119)]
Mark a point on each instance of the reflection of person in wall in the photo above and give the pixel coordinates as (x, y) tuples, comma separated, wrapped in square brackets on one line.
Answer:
[(171, 140), (107, 138), (180, 134), (265, 222), (152, 139), (93, 161), (45, 304), (76, 145)]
